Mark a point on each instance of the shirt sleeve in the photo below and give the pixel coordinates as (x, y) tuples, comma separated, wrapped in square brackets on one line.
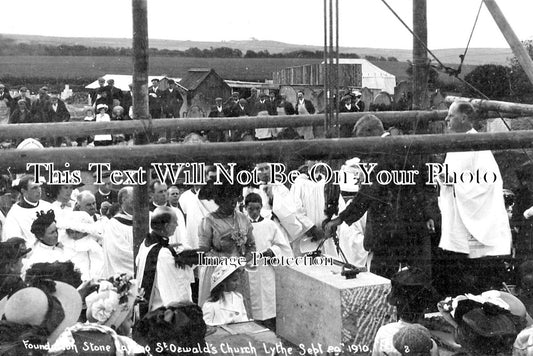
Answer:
[(280, 245), (250, 241), (205, 235), (358, 206)]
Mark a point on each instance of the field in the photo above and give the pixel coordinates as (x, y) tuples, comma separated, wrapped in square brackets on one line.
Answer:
[(80, 71)]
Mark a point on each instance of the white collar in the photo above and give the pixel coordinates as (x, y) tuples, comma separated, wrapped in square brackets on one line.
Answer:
[(30, 203), (104, 194)]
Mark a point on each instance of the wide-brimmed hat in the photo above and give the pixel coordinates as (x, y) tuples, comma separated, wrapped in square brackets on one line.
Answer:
[(102, 106), (55, 311), (221, 273), (489, 325), (113, 301)]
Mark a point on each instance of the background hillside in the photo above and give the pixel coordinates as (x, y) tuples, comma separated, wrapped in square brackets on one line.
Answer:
[(475, 56)]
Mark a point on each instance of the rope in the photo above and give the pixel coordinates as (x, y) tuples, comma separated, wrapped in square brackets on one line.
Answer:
[(462, 56), (447, 69)]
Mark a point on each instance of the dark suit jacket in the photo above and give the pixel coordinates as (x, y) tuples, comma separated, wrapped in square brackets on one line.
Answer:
[(154, 102), (171, 102), (343, 108), (215, 113), (238, 111), (272, 107), (258, 107), (18, 117), (94, 94), (61, 115), (39, 111), (360, 106), (308, 105), (115, 93), (397, 214)]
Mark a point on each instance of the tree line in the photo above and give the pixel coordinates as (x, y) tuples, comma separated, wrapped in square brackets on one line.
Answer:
[(9, 47)]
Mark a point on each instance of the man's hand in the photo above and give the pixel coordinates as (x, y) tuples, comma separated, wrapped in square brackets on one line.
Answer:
[(268, 253), (315, 234), (331, 227)]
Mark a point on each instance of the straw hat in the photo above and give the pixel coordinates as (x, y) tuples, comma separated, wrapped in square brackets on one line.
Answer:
[(221, 273), (55, 312)]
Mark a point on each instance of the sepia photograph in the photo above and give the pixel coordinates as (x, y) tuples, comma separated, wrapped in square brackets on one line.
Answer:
[(287, 178)]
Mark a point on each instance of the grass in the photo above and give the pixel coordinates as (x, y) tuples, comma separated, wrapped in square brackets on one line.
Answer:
[(86, 69)]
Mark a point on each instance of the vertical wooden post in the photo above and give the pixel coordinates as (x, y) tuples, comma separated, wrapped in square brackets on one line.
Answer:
[(518, 49), (140, 112), (326, 76), (420, 57)]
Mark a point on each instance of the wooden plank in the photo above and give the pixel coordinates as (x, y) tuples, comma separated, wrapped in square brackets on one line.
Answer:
[(61, 129), (494, 105), (122, 157), (141, 209)]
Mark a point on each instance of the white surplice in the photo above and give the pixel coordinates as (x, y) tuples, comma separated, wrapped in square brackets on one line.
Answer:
[(87, 255), (195, 210), (18, 222), (171, 283), (474, 218), (262, 281), (118, 246)]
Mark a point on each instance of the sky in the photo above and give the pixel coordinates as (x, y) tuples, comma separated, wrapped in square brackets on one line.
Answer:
[(362, 23)]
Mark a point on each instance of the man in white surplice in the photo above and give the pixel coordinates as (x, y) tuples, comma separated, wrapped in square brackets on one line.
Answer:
[(163, 281), (21, 215), (118, 237), (474, 218)]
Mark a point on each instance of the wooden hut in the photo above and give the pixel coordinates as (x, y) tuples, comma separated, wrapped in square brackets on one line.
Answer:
[(203, 86)]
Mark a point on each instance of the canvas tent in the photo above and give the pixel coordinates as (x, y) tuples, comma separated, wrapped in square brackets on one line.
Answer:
[(122, 81), (373, 76)]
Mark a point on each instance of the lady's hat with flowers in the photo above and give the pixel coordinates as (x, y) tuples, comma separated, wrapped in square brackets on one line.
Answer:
[(113, 301)]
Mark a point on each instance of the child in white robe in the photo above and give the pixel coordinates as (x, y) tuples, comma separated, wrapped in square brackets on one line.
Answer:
[(271, 242), (225, 305), (77, 231)]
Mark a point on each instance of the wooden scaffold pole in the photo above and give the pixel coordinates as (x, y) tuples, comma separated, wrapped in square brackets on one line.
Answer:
[(140, 112)]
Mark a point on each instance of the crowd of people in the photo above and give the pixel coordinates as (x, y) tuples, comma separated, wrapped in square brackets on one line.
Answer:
[(68, 248), (109, 103)]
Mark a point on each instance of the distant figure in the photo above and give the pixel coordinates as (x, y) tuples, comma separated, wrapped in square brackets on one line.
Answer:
[(21, 115), (114, 92), (23, 95), (5, 104), (172, 100), (95, 93), (102, 116), (57, 110), (154, 99), (357, 102), (217, 110), (304, 107), (38, 107), (272, 103)]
